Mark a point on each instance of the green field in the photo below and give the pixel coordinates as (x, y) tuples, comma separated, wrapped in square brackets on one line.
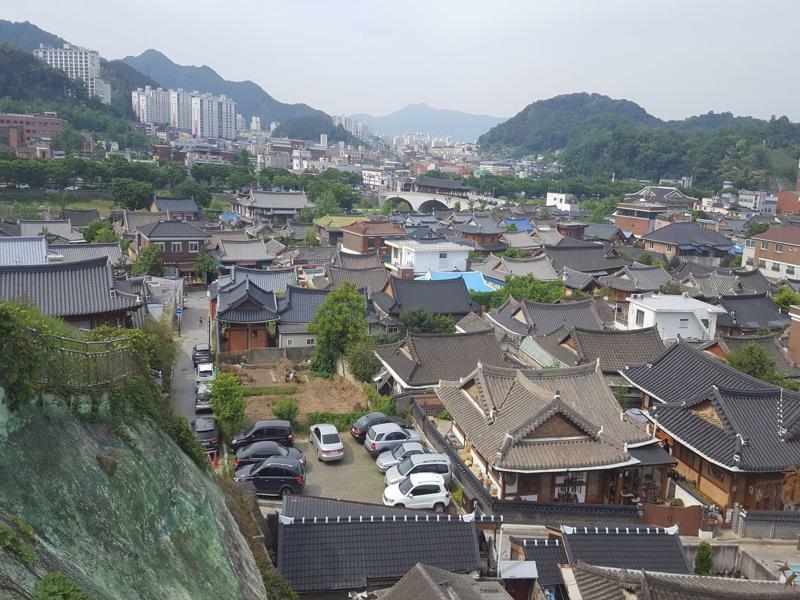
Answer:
[(28, 207)]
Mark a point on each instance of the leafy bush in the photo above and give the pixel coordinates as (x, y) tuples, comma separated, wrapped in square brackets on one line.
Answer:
[(24, 527), (11, 542), (270, 390), (702, 560), (57, 586), (227, 402), (341, 421), (286, 408), (362, 360), (377, 401), (676, 502), (457, 496), (445, 415), (277, 587)]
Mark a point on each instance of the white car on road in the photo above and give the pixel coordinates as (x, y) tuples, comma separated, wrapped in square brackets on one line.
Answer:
[(205, 373), (420, 490), (326, 439)]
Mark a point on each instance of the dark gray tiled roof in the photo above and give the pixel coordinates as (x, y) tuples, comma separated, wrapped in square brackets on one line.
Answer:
[(771, 346), (710, 285), (686, 267), (751, 312), (637, 278), (424, 360), (372, 280), (686, 233), (585, 257), (346, 555), (603, 583), (767, 420), (601, 231), (520, 239), (182, 205), (172, 230), (503, 316), (437, 182), (545, 318), (444, 296), (472, 322), (682, 372), (754, 281), (60, 229), (659, 194), (510, 404), (65, 289), (424, 582), (499, 268), (245, 302), (274, 280), (642, 547), (358, 261), (76, 252), (23, 251), (313, 254), (300, 304), (276, 200), (308, 507), (615, 349), (132, 220), (245, 251), (80, 218), (576, 280), (8, 229), (480, 224), (548, 554)]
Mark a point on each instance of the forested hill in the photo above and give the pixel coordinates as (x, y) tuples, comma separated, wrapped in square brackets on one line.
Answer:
[(600, 136)]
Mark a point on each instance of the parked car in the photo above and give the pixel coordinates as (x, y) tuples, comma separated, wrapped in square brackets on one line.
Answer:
[(420, 490), (359, 428), (419, 463), (260, 451), (205, 372), (388, 436), (201, 353), (274, 430), (327, 441), (390, 458), (207, 431), (23, 186), (275, 476), (202, 397)]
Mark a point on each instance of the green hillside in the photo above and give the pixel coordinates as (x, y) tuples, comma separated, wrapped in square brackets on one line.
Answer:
[(600, 136)]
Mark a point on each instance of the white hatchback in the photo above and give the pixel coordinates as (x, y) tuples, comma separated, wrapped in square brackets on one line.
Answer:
[(205, 373), (420, 490)]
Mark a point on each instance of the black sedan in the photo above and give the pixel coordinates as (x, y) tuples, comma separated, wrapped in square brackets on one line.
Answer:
[(359, 428), (259, 451), (276, 476)]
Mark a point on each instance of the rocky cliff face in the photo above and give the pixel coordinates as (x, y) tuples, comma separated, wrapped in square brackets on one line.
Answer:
[(121, 511)]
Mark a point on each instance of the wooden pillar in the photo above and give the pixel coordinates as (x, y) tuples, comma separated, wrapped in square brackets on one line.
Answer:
[(618, 488)]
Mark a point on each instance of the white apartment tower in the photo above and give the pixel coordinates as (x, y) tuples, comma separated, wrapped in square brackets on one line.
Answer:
[(77, 63), (180, 109), (213, 116), (255, 123), (151, 105)]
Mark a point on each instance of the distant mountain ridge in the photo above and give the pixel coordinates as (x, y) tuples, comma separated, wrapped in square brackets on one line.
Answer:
[(250, 98), (462, 126)]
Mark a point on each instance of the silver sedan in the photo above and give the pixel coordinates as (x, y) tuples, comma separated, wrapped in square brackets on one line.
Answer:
[(327, 442)]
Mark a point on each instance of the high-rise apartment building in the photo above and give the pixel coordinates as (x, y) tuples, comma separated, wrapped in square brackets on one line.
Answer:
[(77, 63), (213, 116), (151, 105), (255, 123), (180, 109)]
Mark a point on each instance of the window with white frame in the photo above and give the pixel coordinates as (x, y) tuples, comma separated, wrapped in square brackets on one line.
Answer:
[(289, 341), (776, 266), (684, 324), (176, 246), (159, 245), (194, 247), (762, 264), (778, 248), (309, 341), (639, 317), (790, 269), (765, 245), (750, 243)]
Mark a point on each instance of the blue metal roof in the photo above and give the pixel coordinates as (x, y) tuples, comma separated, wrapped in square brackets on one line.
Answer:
[(472, 279)]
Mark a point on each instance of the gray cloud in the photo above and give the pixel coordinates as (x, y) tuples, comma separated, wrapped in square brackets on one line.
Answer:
[(674, 58)]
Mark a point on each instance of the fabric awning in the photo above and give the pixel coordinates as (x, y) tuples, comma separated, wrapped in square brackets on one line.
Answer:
[(652, 455)]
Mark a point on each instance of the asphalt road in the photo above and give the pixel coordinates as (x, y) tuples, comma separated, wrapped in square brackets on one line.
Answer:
[(195, 306)]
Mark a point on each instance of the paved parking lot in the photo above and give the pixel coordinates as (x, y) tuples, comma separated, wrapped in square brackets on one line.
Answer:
[(355, 477)]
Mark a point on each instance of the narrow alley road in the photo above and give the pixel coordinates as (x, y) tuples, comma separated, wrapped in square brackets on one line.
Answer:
[(192, 332)]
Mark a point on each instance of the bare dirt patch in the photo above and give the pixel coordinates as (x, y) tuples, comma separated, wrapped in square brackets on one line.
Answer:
[(336, 395)]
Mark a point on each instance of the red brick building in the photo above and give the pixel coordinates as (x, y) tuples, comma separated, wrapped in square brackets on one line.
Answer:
[(366, 237), (35, 126)]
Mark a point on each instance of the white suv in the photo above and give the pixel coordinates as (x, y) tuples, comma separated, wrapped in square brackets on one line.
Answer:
[(420, 490), (205, 373)]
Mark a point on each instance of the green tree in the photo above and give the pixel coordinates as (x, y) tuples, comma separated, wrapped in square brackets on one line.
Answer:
[(69, 140), (240, 178), (97, 229), (671, 288), (386, 208), (131, 194), (326, 205), (195, 189), (785, 298), (362, 360), (511, 227), (57, 586), (646, 258), (340, 323), (242, 159), (753, 360), (206, 266), (149, 262), (173, 174), (228, 404), (755, 228), (702, 560), (521, 287), (310, 237), (422, 320), (286, 408), (457, 206)]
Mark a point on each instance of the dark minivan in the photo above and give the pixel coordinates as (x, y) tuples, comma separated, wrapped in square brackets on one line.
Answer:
[(258, 451), (359, 429), (269, 430), (207, 432), (276, 476)]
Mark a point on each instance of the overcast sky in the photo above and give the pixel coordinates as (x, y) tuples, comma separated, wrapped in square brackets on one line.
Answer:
[(675, 58)]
